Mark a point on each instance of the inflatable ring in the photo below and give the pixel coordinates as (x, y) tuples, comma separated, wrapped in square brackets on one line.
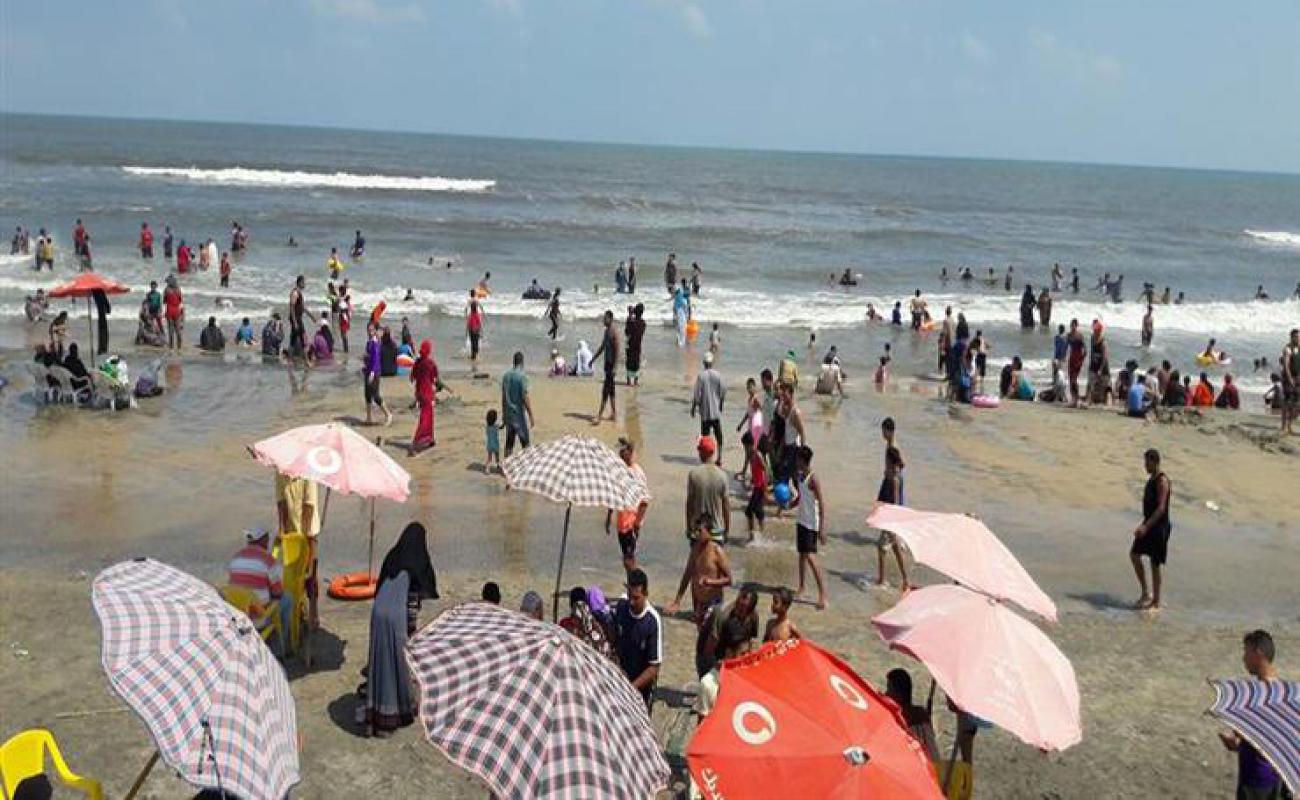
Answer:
[(984, 401), (692, 329), (353, 586)]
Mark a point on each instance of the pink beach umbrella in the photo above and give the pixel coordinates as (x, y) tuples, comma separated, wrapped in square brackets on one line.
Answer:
[(339, 458), (964, 549), (990, 661)]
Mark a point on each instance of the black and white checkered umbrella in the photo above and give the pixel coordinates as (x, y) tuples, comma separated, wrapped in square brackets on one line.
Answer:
[(532, 710), (578, 470)]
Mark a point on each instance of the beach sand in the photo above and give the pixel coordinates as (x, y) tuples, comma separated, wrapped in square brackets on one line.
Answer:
[(1063, 489)]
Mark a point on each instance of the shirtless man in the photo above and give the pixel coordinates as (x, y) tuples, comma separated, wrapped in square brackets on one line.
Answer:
[(298, 307), (780, 627), (707, 572)]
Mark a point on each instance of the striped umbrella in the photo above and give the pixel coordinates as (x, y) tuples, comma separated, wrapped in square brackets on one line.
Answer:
[(198, 674), (532, 710), (576, 470), (1266, 714)]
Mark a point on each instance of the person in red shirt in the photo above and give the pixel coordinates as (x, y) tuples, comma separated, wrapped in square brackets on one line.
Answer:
[(1228, 397), (174, 312), (225, 270), (1203, 394), (146, 241), (183, 257), (474, 326), (758, 485), (78, 238)]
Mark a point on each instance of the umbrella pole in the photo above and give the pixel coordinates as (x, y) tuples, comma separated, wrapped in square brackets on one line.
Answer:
[(370, 564), (326, 507), (144, 773), (559, 571), (90, 325)]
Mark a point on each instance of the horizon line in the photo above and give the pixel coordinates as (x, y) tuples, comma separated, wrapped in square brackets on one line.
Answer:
[(650, 145)]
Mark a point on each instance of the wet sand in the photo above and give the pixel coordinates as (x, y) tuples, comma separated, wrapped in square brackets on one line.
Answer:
[(1063, 489)]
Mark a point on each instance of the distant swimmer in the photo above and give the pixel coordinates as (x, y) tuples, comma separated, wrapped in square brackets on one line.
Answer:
[(943, 275), (1057, 275), (483, 288), (358, 246), (553, 314), (1006, 282), (1074, 279), (1148, 326), (620, 278), (847, 279), (410, 296), (1296, 293), (1181, 297), (872, 315), (992, 279), (1164, 297), (291, 243), (536, 292), (1260, 294), (896, 317), (697, 275), (670, 273), (966, 275), (631, 274)]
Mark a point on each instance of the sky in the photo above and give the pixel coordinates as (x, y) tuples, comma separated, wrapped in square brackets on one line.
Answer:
[(1193, 83)]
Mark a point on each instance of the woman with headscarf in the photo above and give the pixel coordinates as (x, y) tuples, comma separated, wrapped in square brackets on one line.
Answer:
[(1028, 304), (80, 377), (424, 375), (583, 360), (405, 579), (387, 354)]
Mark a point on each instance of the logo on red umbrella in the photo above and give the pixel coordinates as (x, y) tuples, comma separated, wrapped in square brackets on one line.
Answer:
[(755, 736)]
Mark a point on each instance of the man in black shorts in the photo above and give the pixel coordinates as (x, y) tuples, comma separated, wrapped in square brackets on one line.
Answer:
[(708, 399), (1151, 538), (609, 348)]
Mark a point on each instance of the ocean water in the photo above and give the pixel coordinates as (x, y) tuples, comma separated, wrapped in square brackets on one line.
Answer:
[(766, 228)]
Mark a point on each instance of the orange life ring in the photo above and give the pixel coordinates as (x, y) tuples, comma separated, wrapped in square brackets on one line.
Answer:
[(353, 586)]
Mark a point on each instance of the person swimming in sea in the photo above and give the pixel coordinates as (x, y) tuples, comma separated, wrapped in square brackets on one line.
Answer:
[(872, 314), (966, 275), (847, 279)]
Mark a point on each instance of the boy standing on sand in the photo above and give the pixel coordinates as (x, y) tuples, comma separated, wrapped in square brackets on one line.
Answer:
[(707, 572), (780, 627), (809, 532), (1151, 538), (609, 348)]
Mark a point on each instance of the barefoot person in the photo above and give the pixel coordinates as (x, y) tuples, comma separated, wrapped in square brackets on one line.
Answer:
[(1151, 538), (609, 348), (708, 398), (629, 519), (707, 572), (370, 374), (707, 491), (809, 532)]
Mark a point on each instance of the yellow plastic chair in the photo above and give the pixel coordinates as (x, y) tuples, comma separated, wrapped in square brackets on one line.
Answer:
[(293, 552), (23, 757), (267, 619)]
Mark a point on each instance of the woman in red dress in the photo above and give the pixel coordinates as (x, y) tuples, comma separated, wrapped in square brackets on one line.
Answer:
[(425, 377)]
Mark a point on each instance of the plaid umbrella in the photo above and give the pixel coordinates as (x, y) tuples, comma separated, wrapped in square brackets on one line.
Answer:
[(198, 674), (1266, 714), (532, 710), (576, 470)]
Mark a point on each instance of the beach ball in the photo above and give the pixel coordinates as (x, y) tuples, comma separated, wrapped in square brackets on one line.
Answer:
[(782, 494), (692, 329)]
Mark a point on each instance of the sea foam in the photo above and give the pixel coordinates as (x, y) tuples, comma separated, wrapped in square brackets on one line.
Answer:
[(1284, 238), (242, 176)]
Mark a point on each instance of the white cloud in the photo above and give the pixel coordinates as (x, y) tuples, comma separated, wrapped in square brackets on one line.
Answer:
[(1080, 64), (514, 8), (974, 48), (696, 22), (370, 10)]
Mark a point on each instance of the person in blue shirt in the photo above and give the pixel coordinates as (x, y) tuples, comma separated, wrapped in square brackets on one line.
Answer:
[(1139, 402), (896, 318), (1060, 345), (681, 311), (244, 335)]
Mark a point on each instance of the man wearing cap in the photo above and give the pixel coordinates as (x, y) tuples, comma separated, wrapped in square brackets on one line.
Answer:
[(706, 491), (629, 519), (254, 568), (709, 397)]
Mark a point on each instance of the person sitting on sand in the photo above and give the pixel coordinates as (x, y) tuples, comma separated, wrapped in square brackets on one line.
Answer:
[(148, 330), (1059, 391), (582, 360), (583, 624), (780, 627), (1203, 394), (1140, 399), (211, 339), (733, 642), (711, 647), (1228, 396), (321, 351), (559, 367)]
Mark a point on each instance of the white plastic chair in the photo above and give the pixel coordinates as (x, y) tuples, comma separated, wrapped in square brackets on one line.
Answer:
[(66, 393), (41, 385), (107, 391)]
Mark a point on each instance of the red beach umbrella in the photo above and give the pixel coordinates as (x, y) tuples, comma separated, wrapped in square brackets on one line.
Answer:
[(84, 285), (792, 720)]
